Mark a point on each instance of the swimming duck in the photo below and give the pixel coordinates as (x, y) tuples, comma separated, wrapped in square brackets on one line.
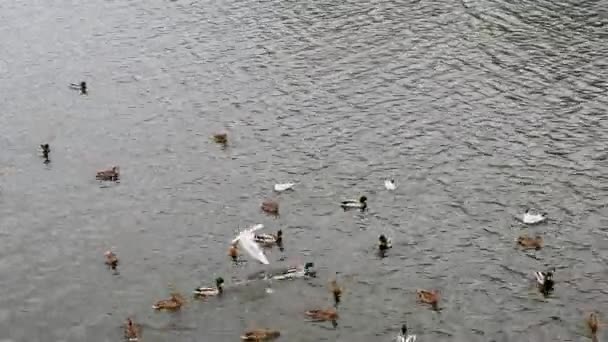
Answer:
[(283, 187), (233, 252), (389, 184), (270, 206), (108, 174), (111, 259), (211, 291), (593, 322), (172, 304), (220, 138), (336, 290), (530, 242), (269, 239), (533, 217), (320, 315), (82, 86), (260, 335), (46, 149), (428, 297), (354, 204), (132, 330), (544, 281), (404, 337), (384, 243), (293, 272)]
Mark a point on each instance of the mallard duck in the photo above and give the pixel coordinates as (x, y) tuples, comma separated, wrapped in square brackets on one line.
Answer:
[(355, 204), (428, 297), (544, 281), (269, 239), (336, 290), (320, 315), (211, 291), (270, 206), (384, 243), (533, 217), (404, 337), (109, 174), (293, 272), (111, 259), (389, 184), (593, 322), (233, 252), (220, 138), (82, 86), (172, 304), (260, 335), (132, 330), (283, 187), (530, 242)]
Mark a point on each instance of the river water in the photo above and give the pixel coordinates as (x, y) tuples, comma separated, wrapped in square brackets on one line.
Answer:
[(478, 109)]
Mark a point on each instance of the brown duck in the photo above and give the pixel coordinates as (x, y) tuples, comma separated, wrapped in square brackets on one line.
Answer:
[(260, 335), (172, 304), (270, 206), (132, 330), (530, 242), (220, 138), (428, 297), (111, 174), (111, 259)]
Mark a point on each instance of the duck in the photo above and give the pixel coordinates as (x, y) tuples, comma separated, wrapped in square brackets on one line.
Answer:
[(530, 242), (384, 243), (260, 335), (132, 330), (544, 281), (355, 204), (283, 187), (428, 297), (46, 150), (82, 86), (111, 174), (269, 239), (270, 207), (404, 337), (320, 315), (288, 273), (211, 291), (389, 184), (174, 303), (593, 322), (533, 217), (220, 138), (336, 290), (233, 251), (111, 259)]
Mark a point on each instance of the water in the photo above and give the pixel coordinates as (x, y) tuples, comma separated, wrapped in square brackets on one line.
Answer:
[(477, 108)]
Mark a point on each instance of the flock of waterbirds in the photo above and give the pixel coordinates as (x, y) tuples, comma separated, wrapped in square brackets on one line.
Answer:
[(253, 244)]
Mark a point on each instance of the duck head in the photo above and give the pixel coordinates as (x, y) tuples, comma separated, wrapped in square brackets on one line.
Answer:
[(83, 86), (363, 199), (404, 330), (308, 269), (279, 236), (219, 282)]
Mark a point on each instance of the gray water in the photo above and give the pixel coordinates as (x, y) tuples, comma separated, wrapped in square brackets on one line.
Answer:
[(478, 109)]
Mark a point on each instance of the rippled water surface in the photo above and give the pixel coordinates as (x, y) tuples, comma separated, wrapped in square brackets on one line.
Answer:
[(477, 108)]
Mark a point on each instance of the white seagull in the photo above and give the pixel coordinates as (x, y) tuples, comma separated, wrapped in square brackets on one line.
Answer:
[(246, 241)]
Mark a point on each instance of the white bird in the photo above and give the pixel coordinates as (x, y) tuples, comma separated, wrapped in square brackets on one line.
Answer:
[(389, 184), (283, 186), (404, 337), (246, 241), (533, 217)]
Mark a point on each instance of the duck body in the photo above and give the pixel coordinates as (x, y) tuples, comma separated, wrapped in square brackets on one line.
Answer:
[(384, 243), (132, 331), (530, 242), (533, 217), (361, 203), (111, 259), (544, 281), (283, 187), (260, 335), (593, 322), (111, 174), (429, 297), (82, 86), (172, 304), (322, 314), (220, 138), (389, 184), (404, 336), (285, 273), (271, 207), (269, 239), (211, 291)]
